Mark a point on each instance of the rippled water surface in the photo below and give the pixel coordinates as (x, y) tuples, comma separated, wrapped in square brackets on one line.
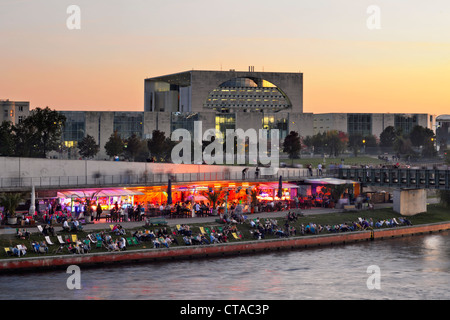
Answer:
[(411, 268)]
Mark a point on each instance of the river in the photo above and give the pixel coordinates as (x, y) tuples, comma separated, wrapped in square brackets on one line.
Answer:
[(410, 268)]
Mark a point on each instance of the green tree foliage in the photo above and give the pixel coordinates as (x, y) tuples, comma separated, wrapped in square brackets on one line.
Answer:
[(115, 145), (421, 136), (388, 137), (45, 126), (336, 142), (10, 202), (7, 140), (88, 148), (292, 145), (34, 136), (135, 149), (160, 147), (355, 143)]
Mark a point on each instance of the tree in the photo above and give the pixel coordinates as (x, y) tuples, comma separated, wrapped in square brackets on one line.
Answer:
[(159, 146), (403, 145), (355, 143), (292, 145), (43, 131), (87, 147), (388, 137), (135, 148), (7, 144), (214, 197), (336, 142), (115, 145), (10, 202), (421, 136)]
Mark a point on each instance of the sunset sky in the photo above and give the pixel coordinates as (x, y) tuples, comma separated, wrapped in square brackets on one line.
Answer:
[(403, 67)]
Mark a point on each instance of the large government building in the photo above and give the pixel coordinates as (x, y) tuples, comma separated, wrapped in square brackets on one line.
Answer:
[(222, 100)]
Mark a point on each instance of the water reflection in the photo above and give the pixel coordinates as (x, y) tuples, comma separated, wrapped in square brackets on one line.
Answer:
[(411, 268)]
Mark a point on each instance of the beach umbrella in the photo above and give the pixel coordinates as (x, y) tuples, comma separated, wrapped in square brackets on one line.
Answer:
[(169, 192), (280, 187)]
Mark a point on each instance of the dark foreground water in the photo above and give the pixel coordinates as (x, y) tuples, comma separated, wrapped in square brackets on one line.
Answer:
[(410, 268)]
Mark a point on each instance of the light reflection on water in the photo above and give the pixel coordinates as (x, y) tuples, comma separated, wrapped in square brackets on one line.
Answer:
[(411, 268)]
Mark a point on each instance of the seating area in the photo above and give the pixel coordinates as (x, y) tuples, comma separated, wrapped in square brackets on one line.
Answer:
[(156, 233)]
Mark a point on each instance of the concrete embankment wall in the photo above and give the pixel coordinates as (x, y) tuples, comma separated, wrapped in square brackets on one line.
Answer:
[(206, 251)]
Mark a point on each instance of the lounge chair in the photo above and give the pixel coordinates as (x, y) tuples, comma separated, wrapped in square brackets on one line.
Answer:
[(41, 230), (202, 230), (59, 249), (235, 235), (129, 241), (60, 239), (49, 241), (8, 252), (74, 238), (92, 238)]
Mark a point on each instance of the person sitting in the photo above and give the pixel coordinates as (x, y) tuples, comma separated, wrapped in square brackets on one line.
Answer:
[(121, 244), (163, 241), (35, 246), (72, 249), (43, 247), (156, 243), (187, 240), (66, 226)]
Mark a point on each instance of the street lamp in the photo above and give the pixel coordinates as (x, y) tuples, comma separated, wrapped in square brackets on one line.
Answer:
[(364, 144)]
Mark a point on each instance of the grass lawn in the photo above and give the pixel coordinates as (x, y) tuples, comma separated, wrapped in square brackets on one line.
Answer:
[(436, 213)]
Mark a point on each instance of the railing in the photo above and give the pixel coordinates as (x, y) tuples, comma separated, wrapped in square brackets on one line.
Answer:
[(145, 179), (401, 178)]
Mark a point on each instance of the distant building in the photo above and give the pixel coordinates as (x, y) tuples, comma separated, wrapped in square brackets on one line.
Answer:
[(371, 123), (443, 131), (14, 111)]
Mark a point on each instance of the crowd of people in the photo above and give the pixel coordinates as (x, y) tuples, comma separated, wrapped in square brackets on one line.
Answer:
[(263, 227), (159, 237)]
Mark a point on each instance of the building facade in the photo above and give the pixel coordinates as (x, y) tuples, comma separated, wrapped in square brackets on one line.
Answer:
[(14, 111), (219, 100), (225, 92), (443, 131), (371, 123)]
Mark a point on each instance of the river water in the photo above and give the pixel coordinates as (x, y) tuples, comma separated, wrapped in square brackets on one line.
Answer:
[(415, 267)]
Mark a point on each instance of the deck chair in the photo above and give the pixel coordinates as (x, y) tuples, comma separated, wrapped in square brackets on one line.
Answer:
[(41, 230), (8, 252), (99, 244), (202, 230), (60, 239), (129, 241), (59, 249), (208, 231), (235, 235), (135, 240), (67, 239), (49, 241), (74, 238), (92, 238)]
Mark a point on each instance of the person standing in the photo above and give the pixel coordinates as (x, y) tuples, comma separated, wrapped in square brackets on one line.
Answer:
[(99, 212)]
